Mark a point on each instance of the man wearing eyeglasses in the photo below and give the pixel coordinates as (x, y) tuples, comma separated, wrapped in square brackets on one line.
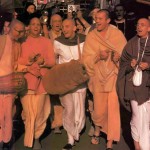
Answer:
[(9, 52)]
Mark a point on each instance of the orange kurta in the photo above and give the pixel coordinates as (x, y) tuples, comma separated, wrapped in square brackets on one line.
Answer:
[(36, 103), (103, 75)]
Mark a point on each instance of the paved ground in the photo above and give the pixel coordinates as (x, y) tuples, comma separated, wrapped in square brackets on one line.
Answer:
[(51, 141)]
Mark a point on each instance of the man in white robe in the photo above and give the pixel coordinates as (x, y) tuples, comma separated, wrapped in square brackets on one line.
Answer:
[(66, 47)]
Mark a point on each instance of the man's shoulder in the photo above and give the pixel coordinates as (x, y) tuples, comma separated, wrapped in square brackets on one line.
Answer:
[(91, 33), (114, 29), (115, 33), (2, 44), (133, 39), (3, 39), (131, 43), (69, 42), (44, 38), (3, 36), (59, 38)]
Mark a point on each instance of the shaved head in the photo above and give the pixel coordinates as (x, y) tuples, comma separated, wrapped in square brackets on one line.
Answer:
[(15, 22), (17, 30), (55, 17), (56, 23), (68, 28), (69, 20), (143, 27), (147, 21)]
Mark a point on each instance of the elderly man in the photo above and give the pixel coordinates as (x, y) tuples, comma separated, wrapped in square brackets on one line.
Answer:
[(55, 31), (9, 52), (136, 55), (37, 55), (66, 47), (101, 61)]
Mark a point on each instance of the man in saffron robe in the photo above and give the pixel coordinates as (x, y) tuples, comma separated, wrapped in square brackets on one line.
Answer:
[(9, 52), (137, 54), (37, 55), (102, 49)]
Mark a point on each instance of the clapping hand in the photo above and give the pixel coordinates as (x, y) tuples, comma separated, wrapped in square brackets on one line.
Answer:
[(144, 65), (31, 58), (40, 60), (34, 70), (104, 54), (133, 63), (116, 57)]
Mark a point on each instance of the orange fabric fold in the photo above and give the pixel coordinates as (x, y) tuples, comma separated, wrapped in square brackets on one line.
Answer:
[(103, 76)]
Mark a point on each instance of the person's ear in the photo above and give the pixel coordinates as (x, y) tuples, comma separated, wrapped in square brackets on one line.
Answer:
[(74, 28), (108, 20)]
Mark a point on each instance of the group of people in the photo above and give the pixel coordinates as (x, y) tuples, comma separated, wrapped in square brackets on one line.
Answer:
[(110, 61)]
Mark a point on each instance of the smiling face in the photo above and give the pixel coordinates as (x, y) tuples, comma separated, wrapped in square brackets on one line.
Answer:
[(143, 27), (56, 22), (68, 28), (102, 21), (35, 27)]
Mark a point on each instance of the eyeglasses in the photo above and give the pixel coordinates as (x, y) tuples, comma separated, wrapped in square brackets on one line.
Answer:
[(19, 31)]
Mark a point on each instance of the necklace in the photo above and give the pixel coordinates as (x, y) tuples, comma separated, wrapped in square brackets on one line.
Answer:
[(143, 49)]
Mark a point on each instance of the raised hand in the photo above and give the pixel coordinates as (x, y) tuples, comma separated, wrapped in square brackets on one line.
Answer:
[(116, 57), (34, 70), (144, 65)]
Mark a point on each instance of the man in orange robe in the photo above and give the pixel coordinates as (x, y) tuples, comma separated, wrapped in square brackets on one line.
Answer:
[(37, 55), (101, 53), (9, 52)]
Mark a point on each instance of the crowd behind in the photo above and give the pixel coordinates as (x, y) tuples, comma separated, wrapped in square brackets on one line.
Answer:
[(113, 49)]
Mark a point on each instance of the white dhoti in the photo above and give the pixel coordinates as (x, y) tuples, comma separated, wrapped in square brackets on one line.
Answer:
[(73, 114), (140, 124)]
